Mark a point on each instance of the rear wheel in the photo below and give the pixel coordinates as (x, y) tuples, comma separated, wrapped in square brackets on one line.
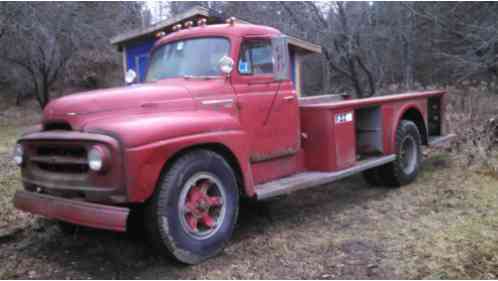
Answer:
[(193, 212), (405, 168)]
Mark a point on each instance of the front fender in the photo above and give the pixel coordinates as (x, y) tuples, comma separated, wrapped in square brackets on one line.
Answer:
[(145, 163), (142, 129), (420, 105), (149, 140)]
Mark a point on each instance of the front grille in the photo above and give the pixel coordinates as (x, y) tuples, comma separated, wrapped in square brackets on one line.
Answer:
[(63, 168), (56, 164), (56, 126), (61, 158), (58, 150)]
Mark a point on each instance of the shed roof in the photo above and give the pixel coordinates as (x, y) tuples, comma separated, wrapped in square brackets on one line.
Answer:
[(193, 14)]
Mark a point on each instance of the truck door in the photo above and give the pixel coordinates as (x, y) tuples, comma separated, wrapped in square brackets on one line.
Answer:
[(268, 108)]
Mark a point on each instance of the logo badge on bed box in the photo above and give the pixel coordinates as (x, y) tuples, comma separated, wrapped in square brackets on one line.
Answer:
[(343, 117)]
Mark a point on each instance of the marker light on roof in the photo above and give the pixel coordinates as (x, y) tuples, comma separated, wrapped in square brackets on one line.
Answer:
[(160, 34), (231, 20), (202, 22), (177, 27)]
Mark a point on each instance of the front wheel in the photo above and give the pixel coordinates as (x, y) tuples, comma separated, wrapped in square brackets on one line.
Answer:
[(405, 168), (194, 210)]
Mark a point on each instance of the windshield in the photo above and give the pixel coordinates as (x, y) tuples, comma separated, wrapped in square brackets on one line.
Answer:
[(190, 57)]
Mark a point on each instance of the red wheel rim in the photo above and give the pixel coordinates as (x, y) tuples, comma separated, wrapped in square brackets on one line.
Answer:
[(202, 205)]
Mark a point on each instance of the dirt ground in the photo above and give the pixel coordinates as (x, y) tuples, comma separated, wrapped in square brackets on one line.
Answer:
[(442, 226)]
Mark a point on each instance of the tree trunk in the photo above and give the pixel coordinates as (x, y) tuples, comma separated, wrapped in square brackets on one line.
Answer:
[(45, 90), (371, 83), (18, 99), (409, 49), (325, 77), (354, 78), (408, 67), (495, 84), (45, 95)]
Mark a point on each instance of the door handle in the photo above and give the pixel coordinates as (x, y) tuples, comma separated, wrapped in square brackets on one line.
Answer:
[(289, 98)]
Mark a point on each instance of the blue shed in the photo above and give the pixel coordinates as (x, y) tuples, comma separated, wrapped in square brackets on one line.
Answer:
[(135, 45)]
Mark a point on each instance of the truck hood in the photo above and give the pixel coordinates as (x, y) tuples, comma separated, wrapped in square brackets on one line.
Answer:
[(141, 114), (88, 105), (140, 129)]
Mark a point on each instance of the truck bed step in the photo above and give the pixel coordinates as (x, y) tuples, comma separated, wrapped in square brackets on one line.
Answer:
[(311, 179)]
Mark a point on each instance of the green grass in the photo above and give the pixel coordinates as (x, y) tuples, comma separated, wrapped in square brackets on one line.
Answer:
[(8, 136), (468, 246), (9, 178), (452, 232)]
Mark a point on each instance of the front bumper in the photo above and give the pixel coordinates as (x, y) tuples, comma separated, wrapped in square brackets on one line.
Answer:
[(73, 211)]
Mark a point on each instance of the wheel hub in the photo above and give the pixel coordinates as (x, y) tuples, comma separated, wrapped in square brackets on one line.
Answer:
[(202, 205)]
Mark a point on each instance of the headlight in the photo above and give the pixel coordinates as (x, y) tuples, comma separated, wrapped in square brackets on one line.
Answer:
[(98, 158), (18, 154)]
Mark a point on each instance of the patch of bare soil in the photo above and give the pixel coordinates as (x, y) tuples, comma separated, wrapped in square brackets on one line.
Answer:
[(442, 226)]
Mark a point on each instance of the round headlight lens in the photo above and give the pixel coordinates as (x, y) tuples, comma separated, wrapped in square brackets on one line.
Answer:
[(95, 159), (18, 154)]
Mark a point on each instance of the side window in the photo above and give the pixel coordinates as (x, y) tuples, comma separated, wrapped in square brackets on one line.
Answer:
[(256, 57)]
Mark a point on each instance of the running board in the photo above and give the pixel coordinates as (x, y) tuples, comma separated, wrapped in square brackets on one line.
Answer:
[(311, 179), (434, 141)]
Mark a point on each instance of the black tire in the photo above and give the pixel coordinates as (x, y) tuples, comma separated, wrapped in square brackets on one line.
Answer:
[(373, 176), (164, 221), (405, 168)]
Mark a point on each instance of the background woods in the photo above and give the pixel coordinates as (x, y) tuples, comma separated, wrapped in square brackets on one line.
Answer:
[(369, 48), (64, 43)]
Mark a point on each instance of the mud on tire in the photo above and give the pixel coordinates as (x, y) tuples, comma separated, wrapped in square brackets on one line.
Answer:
[(193, 212)]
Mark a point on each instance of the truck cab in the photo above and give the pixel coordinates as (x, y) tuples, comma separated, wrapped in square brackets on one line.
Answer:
[(217, 118)]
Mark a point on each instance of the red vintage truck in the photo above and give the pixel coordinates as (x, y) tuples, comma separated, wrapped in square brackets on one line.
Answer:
[(217, 119)]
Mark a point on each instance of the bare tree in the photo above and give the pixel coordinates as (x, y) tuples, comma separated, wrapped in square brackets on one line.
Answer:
[(342, 39), (43, 38), (367, 46), (466, 42)]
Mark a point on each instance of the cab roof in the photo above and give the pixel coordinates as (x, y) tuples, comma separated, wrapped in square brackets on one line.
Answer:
[(214, 24), (223, 30)]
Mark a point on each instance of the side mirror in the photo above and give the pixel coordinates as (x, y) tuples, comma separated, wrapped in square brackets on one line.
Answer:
[(280, 51), (131, 76), (226, 64)]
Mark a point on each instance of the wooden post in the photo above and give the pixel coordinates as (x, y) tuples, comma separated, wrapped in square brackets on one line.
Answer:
[(297, 73), (125, 62)]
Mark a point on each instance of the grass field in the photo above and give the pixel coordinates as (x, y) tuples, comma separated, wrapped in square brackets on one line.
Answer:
[(442, 226), (9, 179)]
